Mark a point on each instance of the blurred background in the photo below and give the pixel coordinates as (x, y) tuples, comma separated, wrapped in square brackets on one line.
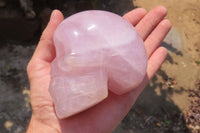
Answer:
[(171, 101)]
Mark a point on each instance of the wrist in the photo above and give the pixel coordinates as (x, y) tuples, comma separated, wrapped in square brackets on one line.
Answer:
[(37, 126)]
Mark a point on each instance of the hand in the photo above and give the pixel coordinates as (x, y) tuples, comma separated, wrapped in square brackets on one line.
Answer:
[(105, 116)]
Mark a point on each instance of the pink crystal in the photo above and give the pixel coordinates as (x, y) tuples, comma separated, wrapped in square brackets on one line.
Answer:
[(95, 51)]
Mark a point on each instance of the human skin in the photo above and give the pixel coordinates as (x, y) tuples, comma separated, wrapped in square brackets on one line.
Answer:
[(105, 116)]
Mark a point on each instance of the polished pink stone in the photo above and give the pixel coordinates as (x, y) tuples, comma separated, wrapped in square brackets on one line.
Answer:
[(95, 51)]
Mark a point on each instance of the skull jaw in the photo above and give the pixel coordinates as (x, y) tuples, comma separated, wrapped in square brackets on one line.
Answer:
[(74, 94)]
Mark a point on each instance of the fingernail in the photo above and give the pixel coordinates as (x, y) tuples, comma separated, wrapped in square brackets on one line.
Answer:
[(53, 14)]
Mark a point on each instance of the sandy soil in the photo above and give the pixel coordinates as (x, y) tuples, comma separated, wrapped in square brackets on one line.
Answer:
[(168, 104), (184, 17)]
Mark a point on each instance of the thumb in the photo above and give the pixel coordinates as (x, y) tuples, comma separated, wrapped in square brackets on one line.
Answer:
[(45, 50), (55, 19)]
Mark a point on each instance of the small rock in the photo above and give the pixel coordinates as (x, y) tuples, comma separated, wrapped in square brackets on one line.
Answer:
[(130, 131), (30, 14), (141, 125), (158, 124), (8, 125), (19, 130)]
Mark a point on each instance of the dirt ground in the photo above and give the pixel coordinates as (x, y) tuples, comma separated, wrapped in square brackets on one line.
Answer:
[(170, 103)]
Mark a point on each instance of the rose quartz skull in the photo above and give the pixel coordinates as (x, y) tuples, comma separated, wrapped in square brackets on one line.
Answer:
[(95, 51)]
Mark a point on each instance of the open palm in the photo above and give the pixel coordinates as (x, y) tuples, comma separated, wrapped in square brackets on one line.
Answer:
[(105, 116)]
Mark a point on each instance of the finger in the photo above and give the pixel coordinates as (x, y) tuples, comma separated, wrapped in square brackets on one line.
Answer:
[(45, 50), (135, 15), (55, 19), (149, 22), (155, 61), (156, 37)]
